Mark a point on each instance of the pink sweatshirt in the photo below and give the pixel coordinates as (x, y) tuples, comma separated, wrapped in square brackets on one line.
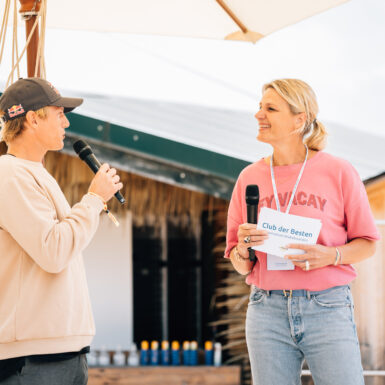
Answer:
[(44, 302), (330, 190)]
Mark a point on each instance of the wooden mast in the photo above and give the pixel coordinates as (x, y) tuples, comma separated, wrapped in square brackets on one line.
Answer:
[(29, 10)]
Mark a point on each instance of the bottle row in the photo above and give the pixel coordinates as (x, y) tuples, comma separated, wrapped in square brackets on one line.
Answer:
[(189, 354)]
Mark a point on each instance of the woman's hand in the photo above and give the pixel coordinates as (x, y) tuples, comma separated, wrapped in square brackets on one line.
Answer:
[(316, 255), (249, 232)]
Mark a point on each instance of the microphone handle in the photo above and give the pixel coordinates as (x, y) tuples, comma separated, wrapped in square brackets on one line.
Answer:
[(252, 214), (94, 165), (119, 197), (252, 217), (251, 254)]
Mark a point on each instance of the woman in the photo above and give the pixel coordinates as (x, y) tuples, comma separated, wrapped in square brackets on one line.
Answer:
[(306, 312)]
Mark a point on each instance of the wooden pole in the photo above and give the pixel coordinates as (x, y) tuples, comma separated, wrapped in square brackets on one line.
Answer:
[(236, 20), (30, 9)]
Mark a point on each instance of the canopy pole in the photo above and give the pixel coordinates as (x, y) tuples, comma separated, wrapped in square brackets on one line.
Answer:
[(236, 20), (29, 10)]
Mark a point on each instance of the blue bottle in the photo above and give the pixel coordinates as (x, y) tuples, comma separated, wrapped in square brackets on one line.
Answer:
[(209, 353), (144, 356), (165, 353), (186, 353), (154, 353), (193, 353), (175, 353)]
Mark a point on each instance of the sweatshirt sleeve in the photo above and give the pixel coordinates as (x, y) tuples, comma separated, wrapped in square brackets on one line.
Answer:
[(30, 217), (234, 218), (359, 221)]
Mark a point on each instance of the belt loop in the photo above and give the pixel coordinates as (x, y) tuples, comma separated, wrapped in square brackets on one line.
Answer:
[(268, 293), (284, 293), (291, 294), (308, 294)]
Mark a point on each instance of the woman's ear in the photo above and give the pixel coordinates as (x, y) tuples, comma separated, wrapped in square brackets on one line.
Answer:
[(300, 119)]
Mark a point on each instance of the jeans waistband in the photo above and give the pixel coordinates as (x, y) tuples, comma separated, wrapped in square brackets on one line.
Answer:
[(301, 292)]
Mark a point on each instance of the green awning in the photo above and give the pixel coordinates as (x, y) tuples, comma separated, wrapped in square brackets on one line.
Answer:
[(155, 157)]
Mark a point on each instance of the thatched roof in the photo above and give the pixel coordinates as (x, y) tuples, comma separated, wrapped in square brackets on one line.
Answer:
[(147, 199)]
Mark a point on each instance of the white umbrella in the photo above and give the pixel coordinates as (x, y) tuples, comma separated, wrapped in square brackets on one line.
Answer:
[(218, 19), (247, 20)]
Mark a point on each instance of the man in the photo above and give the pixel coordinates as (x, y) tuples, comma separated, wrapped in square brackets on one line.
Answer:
[(46, 323)]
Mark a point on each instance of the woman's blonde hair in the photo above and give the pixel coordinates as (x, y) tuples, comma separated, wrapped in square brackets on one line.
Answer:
[(301, 98), (13, 128)]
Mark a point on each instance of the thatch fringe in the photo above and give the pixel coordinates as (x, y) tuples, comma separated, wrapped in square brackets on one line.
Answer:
[(147, 199), (231, 295)]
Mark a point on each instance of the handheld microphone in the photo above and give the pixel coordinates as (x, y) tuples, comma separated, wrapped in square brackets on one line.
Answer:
[(85, 153), (252, 201)]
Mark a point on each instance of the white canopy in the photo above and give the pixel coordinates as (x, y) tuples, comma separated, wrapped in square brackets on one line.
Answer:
[(189, 18)]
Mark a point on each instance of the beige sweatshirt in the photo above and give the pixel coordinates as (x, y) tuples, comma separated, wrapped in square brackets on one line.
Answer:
[(44, 301)]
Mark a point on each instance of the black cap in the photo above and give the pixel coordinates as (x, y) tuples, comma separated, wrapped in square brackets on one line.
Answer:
[(31, 94)]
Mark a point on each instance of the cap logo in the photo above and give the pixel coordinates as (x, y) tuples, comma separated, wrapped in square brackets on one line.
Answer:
[(15, 110)]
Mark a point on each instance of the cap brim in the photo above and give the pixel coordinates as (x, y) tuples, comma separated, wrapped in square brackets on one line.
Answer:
[(68, 103)]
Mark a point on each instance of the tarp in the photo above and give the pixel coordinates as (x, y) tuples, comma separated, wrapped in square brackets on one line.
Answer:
[(188, 18)]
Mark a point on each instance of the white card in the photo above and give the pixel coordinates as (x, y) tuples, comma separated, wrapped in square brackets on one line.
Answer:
[(278, 263), (284, 229)]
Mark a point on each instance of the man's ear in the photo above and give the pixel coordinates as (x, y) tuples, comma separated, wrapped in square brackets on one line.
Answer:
[(30, 118)]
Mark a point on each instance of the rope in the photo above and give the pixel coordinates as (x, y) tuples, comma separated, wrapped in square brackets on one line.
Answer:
[(22, 52), (40, 49), (15, 39), (15, 49), (42, 37), (16, 57), (4, 25)]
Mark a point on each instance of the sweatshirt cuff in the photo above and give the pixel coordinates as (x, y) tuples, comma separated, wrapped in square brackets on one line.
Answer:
[(93, 202)]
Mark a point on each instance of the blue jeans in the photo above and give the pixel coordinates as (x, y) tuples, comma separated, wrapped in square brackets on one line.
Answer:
[(282, 332)]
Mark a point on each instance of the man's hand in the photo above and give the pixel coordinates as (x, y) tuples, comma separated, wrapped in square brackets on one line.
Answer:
[(105, 183)]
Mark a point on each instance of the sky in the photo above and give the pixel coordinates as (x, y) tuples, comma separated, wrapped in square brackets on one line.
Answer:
[(339, 52)]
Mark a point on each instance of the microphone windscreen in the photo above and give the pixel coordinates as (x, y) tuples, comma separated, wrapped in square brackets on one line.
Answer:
[(82, 149), (252, 194), (79, 145)]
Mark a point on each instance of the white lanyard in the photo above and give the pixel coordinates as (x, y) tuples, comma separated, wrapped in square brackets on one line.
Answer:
[(295, 186)]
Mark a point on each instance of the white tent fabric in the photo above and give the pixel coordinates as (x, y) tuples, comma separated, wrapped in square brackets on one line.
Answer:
[(189, 18)]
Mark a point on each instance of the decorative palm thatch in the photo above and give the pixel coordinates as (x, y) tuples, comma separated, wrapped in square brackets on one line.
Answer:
[(232, 295)]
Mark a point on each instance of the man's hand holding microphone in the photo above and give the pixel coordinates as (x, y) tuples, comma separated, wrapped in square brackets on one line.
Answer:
[(105, 183)]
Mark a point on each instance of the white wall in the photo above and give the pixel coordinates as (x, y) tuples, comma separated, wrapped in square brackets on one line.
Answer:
[(108, 261)]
